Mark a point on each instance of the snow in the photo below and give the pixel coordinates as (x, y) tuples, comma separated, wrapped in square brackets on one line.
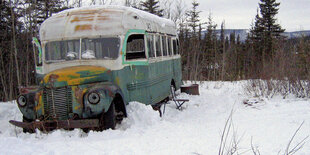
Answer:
[(196, 129), (71, 55), (88, 54)]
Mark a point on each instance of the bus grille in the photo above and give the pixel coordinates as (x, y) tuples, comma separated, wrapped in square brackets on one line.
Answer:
[(57, 103)]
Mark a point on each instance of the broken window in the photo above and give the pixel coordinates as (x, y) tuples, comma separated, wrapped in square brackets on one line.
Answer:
[(175, 47), (135, 47)]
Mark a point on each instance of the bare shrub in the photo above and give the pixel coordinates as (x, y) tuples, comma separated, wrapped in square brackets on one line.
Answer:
[(229, 139), (298, 146), (270, 88)]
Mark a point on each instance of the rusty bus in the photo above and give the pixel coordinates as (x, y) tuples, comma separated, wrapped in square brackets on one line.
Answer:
[(95, 60)]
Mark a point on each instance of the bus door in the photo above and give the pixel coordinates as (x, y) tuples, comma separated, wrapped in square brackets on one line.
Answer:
[(137, 71), (176, 61), (170, 54), (155, 69)]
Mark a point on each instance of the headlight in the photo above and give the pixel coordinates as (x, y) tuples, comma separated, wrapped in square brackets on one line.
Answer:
[(21, 100), (93, 98)]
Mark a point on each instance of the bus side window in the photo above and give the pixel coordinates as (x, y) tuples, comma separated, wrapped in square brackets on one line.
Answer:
[(135, 47), (169, 46), (158, 47), (150, 45), (175, 47), (164, 43)]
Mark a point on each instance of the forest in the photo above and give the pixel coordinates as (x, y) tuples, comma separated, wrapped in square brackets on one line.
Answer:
[(269, 60)]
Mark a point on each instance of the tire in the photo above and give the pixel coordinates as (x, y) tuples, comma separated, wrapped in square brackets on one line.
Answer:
[(109, 118), (27, 130)]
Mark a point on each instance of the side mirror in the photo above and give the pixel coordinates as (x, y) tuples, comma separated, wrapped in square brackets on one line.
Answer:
[(37, 55)]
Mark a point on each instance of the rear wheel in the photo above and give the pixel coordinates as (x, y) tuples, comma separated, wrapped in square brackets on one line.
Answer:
[(25, 120)]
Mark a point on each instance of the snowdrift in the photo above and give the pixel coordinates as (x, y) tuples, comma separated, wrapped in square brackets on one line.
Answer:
[(197, 129)]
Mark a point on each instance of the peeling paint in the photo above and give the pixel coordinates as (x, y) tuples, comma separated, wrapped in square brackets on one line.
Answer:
[(79, 19), (39, 101), (74, 75), (83, 27), (78, 93)]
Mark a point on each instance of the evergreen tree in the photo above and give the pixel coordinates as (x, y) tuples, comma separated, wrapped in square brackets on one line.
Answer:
[(193, 17), (152, 6), (42, 9), (265, 29)]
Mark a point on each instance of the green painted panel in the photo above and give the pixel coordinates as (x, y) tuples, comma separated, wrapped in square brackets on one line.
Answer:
[(139, 62)]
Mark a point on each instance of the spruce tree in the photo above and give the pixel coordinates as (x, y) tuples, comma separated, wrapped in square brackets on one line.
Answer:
[(269, 9), (42, 9), (265, 31), (193, 17), (152, 6)]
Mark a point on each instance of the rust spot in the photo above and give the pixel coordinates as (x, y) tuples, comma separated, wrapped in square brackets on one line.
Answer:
[(78, 93), (83, 27), (97, 28), (103, 18), (23, 90), (78, 19), (53, 77), (37, 98), (110, 92), (26, 90)]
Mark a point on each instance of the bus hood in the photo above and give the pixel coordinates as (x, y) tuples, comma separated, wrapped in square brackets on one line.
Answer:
[(77, 75)]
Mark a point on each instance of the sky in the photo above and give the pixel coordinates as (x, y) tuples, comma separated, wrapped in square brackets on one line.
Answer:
[(239, 14)]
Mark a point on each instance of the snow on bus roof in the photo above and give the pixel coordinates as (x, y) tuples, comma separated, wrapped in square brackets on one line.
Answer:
[(102, 20), (143, 14)]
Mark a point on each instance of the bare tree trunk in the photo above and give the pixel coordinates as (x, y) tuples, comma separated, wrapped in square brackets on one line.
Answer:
[(15, 48), (2, 73), (223, 62), (93, 2), (197, 66), (167, 10), (27, 65), (188, 65), (11, 68)]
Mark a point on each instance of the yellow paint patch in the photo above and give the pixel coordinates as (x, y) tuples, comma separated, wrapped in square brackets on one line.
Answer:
[(40, 103), (117, 81), (83, 27), (72, 75), (79, 19)]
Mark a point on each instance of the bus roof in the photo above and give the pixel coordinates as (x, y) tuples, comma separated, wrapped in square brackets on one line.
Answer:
[(96, 21)]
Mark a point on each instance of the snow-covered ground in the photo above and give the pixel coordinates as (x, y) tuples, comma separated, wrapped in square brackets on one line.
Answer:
[(197, 129)]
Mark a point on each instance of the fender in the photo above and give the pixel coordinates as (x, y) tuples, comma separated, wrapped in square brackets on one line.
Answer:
[(107, 92), (32, 101)]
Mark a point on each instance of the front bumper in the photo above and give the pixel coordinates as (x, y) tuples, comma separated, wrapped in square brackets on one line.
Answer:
[(57, 124)]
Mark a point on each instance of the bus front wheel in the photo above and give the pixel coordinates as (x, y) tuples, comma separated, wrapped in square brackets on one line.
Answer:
[(108, 119)]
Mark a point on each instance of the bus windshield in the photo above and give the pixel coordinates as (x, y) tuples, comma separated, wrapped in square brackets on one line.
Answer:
[(98, 48)]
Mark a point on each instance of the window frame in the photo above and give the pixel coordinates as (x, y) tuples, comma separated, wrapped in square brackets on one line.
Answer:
[(138, 62), (164, 38), (152, 35), (177, 50)]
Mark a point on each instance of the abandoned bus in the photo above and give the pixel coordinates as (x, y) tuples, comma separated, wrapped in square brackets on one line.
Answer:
[(95, 60)]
